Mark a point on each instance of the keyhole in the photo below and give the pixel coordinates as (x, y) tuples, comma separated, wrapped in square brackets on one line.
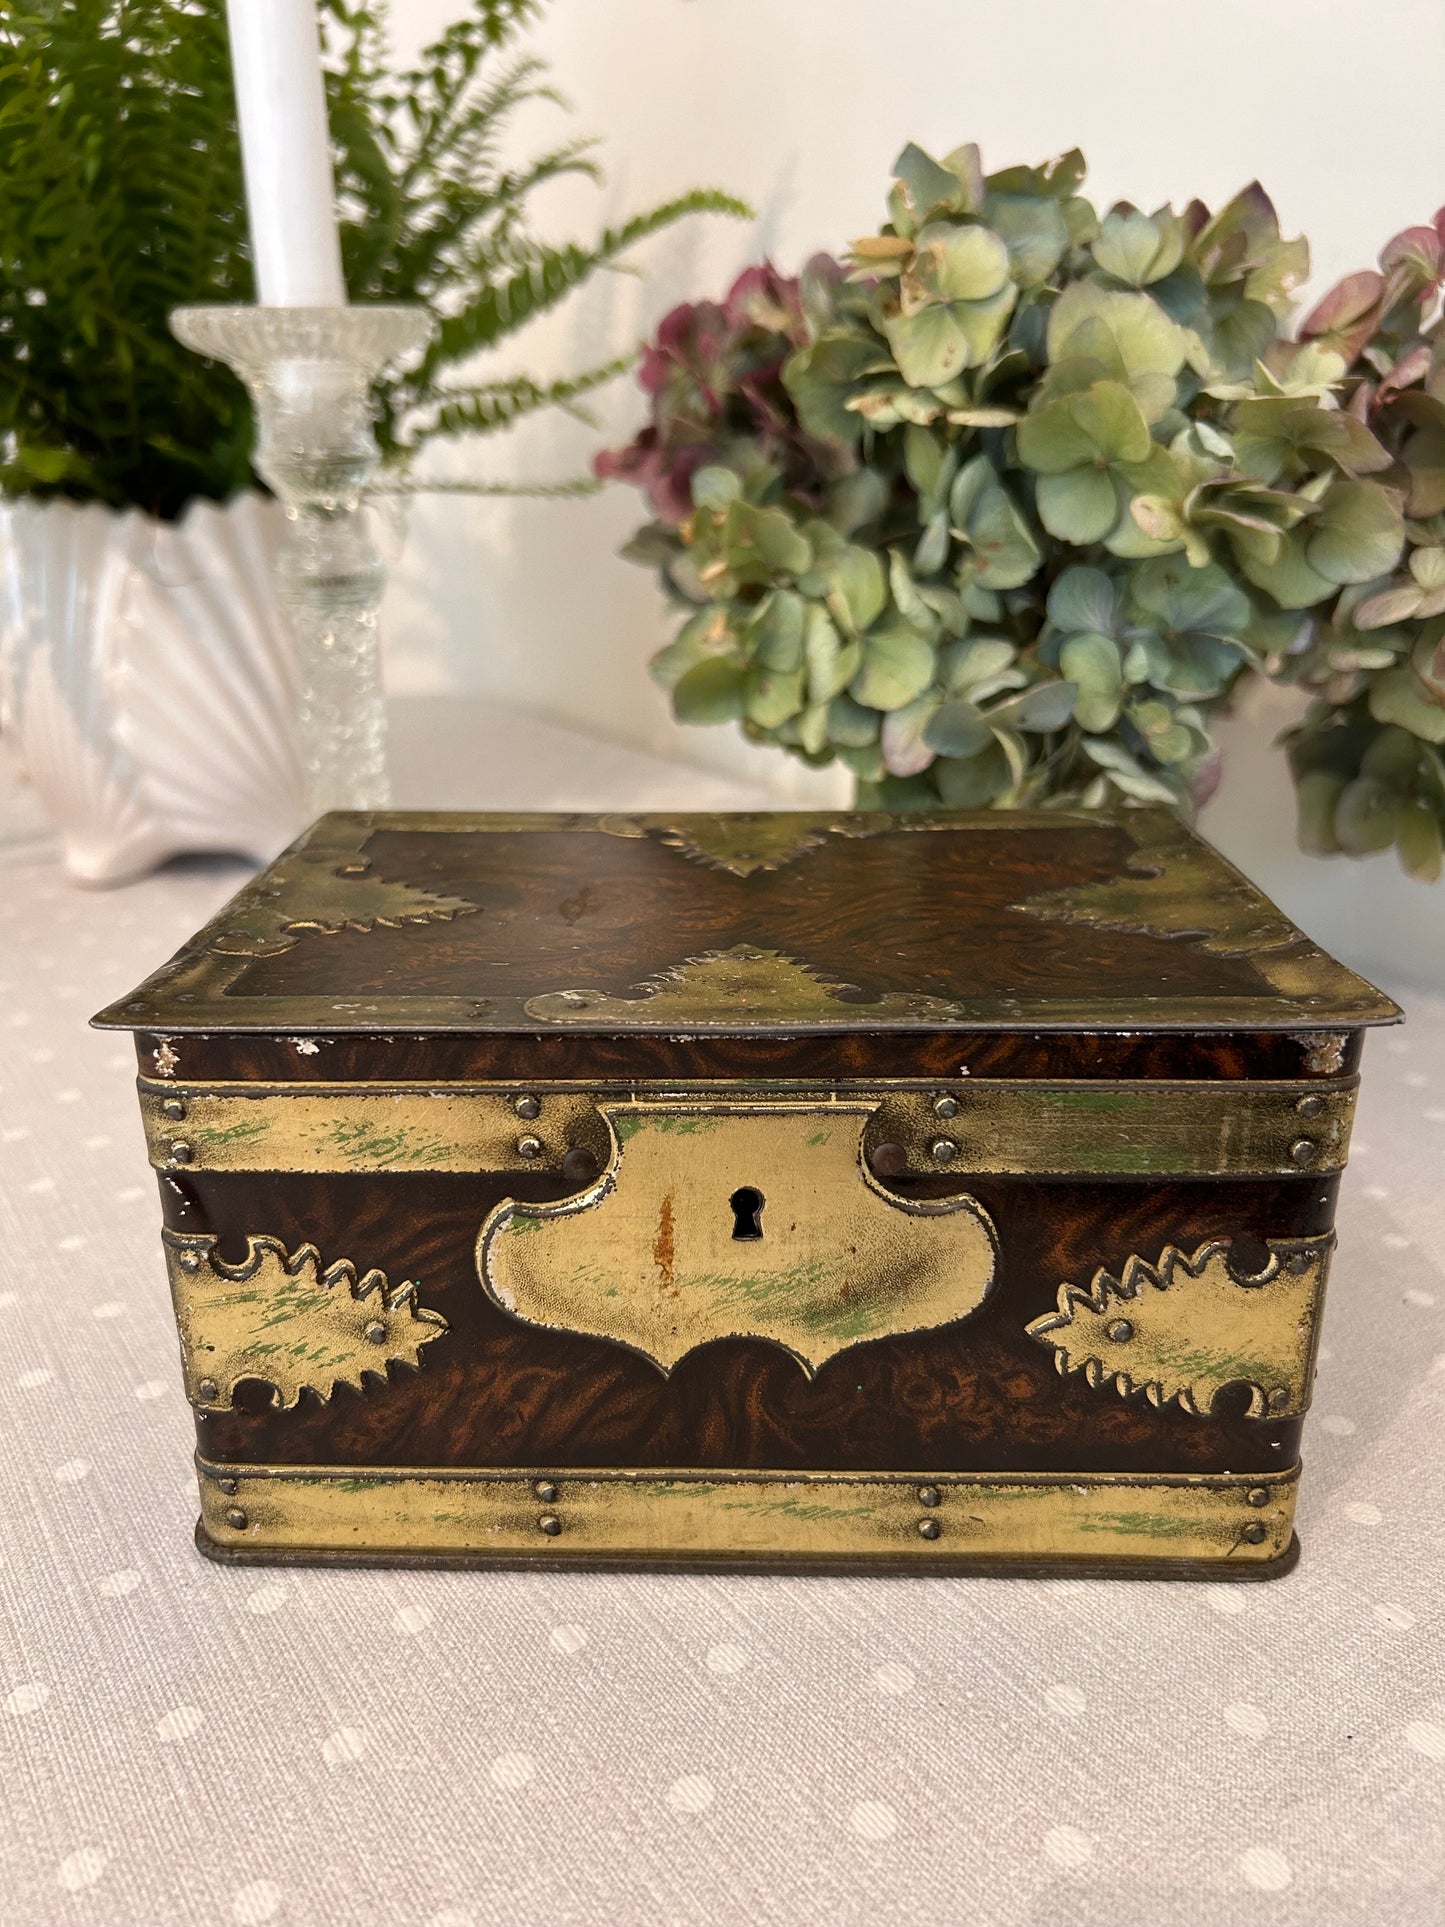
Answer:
[(747, 1203)]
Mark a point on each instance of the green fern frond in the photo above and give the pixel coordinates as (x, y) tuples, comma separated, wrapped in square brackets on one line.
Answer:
[(502, 308), (122, 199), (483, 408)]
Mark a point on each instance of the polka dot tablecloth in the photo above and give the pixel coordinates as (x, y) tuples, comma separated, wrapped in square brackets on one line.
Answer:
[(184, 1744)]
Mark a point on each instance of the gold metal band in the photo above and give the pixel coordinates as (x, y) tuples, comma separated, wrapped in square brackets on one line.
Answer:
[(1234, 1520), (982, 1125)]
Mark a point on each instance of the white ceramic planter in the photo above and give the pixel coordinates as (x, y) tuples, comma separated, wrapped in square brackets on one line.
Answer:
[(146, 681)]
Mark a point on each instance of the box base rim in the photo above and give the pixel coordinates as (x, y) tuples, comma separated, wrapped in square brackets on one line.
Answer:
[(754, 1565)]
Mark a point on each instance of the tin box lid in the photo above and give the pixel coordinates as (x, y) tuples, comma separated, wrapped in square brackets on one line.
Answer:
[(778, 922)]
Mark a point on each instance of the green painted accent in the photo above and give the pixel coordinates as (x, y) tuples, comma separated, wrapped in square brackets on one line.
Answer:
[(1140, 1525), (239, 1133)]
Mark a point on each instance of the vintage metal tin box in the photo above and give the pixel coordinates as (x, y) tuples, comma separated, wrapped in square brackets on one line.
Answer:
[(911, 1193)]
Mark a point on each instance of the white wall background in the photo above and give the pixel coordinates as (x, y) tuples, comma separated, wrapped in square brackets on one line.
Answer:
[(800, 106)]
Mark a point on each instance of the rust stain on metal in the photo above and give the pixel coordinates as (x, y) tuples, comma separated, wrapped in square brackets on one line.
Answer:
[(664, 1245)]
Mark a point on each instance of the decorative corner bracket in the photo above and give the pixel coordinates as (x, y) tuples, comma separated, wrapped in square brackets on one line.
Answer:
[(280, 1317), (1182, 1329)]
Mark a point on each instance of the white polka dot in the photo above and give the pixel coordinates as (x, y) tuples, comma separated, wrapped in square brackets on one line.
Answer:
[(256, 1904), (180, 1723), (1362, 1513), (1337, 1425), (71, 1243), (72, 1472), (873, 1820), (151, 1388), (691, 1794), (726, 1659), (343, 1746), (115, 1585), (1265, 1869), (1395, 1241), (1423, 1300), (1068, 1847), (513, 1770), (112, 1308), (412, 1619), (895, 1678), (28, 1698), (567, 1639), (1427, 1737), (1246, 1719), (32, 1381), (1060, 1698), (1397, 1618), (82, 1869), (269, 1598), (1228, 1600)]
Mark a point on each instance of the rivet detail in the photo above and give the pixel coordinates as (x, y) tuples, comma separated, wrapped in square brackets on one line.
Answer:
[(174, 1108), (929, 1495), (1256, 1532), (236, 1519), (1121, 1331), (1303, 1150), (945, 1106), (1310, 1106), (529, 1147), (181, 1152), (943, 1150), (1257, 1495), (375, 1333), (545, 1491), (228, 1486), (208, 1391), (929, 1529), (528, 1107), (550, 1524)]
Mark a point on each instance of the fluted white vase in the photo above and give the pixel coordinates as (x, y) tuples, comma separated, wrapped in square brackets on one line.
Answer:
[(147, 680)]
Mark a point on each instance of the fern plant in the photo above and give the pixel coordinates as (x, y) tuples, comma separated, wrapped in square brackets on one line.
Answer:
[(121, 198)]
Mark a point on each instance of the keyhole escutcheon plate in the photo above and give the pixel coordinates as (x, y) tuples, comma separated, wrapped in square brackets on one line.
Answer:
[(647, 1258)]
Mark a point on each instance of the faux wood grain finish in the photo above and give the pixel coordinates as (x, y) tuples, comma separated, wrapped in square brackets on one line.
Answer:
[(977, 1396), (558, 911), (593, 1058)]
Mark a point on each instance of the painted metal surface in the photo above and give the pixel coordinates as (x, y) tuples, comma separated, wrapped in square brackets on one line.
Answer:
[(1004, 1126), (755, 1221), (1181, 1329), (899, 1519), (279, 1316)]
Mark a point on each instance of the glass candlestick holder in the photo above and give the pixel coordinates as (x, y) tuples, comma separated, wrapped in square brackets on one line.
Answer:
[(309, 372)]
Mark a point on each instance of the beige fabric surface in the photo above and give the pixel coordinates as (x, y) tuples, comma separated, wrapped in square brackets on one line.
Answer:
[(185, 1744)]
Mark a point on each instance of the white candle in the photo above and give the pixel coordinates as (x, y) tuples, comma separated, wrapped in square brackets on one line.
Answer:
[(286, 149)]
